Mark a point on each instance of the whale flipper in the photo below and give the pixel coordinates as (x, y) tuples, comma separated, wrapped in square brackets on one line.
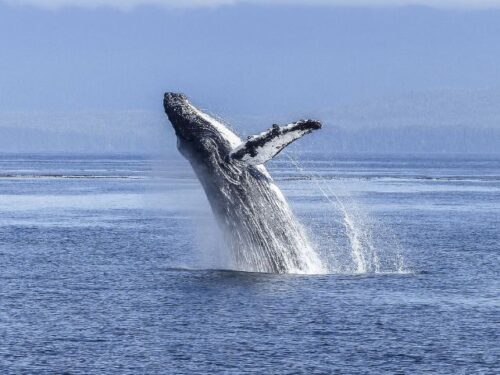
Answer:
[(262, 147)]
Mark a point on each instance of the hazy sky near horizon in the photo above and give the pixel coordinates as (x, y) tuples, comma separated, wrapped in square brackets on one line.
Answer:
[(243, 58)]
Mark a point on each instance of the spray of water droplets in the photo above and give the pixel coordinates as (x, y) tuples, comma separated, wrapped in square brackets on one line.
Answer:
[(346, 237)]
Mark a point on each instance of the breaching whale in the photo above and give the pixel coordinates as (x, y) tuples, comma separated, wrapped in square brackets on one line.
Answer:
[(258, 225)]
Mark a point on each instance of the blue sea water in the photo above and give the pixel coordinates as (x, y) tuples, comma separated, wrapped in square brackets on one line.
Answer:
[(112, 264)]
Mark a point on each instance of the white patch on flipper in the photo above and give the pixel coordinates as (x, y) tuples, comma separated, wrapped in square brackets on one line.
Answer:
[(271, 147)]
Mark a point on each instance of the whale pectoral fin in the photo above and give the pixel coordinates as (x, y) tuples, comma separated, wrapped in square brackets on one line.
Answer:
[(260, 148)]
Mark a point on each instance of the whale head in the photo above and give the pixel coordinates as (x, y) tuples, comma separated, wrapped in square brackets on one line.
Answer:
[(199, 136)]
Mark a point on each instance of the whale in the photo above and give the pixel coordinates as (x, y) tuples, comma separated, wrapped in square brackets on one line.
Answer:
[(257, 223)]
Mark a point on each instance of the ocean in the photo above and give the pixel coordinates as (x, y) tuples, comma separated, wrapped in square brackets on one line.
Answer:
[(113, 264)]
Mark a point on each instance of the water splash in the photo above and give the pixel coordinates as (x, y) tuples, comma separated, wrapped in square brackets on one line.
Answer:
[(269, 238), (354, 241)]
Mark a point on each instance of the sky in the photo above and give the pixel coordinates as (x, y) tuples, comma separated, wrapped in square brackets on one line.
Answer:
[(127, 4), (252, 62)]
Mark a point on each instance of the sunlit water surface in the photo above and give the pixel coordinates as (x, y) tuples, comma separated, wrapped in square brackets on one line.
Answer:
[(112, 264)]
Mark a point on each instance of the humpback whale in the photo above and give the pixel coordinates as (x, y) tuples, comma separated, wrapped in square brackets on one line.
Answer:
[(256, 220)]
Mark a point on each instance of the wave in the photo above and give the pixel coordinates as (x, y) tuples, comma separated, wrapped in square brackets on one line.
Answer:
[(394, 178), (283, 177), (64, 176)]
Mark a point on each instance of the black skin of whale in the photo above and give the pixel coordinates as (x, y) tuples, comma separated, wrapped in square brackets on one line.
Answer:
[(248, 207)]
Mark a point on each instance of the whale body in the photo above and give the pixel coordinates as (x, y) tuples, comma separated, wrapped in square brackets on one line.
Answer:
[(258, 225)]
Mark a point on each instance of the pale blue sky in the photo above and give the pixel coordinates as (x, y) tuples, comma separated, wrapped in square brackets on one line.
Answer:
[(278, 59), (248, 57)]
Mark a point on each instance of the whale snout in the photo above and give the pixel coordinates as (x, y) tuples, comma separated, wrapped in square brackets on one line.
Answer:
[(175, 96), (172, 100), (175, 105), (179, 112)]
